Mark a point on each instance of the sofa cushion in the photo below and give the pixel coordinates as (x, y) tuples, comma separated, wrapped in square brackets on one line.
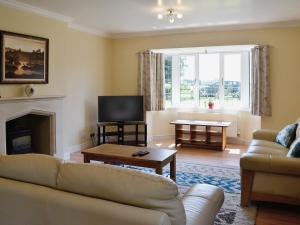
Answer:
[(265, 134), (123, 186), (31, 168), (267, 150), (29, 204), (268, 144), (295, 149), (287, 135)]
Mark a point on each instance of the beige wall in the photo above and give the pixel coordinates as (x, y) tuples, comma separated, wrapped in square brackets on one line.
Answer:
[(83, 66), (285, 66), (88, 72), (79, 68)]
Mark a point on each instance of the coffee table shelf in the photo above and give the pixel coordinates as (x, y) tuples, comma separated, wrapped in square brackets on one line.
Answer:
[(201, 132)]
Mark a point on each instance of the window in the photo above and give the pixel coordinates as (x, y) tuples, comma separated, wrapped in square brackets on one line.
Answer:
[(209, 81), (195, 79), (187, 79)]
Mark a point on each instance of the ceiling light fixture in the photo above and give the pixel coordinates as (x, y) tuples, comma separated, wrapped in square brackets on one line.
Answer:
[(171, 15)]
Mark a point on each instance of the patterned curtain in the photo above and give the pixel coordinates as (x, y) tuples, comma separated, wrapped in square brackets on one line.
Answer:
[(151, 80), (260, 90)]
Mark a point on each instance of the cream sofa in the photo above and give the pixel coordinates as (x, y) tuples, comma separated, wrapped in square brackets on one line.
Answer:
[(42, 190), (267, 173)]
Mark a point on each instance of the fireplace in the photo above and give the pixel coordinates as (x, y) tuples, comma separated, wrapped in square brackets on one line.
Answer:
[(32, 124), (30, 133)]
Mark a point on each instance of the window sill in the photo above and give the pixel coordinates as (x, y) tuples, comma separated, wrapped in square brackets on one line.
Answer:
[(212, 111)]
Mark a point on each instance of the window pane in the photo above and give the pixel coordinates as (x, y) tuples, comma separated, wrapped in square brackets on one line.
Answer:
[(187, 79), (209, 79), (232, 80), (168, 80)]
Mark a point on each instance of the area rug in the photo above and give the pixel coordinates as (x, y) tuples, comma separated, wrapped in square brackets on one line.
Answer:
[(227, 178)]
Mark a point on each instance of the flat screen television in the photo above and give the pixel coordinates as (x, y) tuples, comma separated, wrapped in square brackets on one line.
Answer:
[(120, 108)]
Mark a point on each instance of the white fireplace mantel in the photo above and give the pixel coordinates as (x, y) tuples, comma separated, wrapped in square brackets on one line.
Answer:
[(14, 107), (30, 99)]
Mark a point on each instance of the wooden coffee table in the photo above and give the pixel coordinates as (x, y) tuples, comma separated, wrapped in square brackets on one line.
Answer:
[(114, 154)]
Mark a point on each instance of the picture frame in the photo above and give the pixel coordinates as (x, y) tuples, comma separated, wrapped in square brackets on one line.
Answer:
[(24, 59)]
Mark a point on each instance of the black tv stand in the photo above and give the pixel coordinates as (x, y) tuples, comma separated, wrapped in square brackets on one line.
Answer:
[(122, 136)]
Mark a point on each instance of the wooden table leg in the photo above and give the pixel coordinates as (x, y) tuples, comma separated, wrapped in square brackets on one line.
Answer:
[(173, 169), (98, 134), (145, 135), (224, 138), (159, 170), (86, 159)]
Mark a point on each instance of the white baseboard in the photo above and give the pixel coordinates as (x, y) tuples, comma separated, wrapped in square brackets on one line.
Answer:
[(230, 140), (162, 137), (76, 148), (149, 138), (237, 141)]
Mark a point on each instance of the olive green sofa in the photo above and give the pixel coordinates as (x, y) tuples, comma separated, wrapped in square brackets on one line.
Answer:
[(267, 172)]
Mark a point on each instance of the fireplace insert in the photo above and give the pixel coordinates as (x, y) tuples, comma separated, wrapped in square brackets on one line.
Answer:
[(19, 142)]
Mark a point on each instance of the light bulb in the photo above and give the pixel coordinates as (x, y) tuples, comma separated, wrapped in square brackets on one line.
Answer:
[(172, 20), (179, 16), (160, 16)]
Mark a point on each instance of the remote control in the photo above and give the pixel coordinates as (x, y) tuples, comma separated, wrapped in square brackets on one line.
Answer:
[(140, 153)]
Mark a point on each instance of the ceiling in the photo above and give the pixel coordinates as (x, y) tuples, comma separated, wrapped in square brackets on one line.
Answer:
[(115, 17)]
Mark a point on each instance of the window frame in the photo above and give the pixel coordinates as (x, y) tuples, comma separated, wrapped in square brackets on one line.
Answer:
[(245, 97)]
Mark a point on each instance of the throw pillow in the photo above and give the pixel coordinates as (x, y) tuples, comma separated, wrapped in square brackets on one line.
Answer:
[(287, 135), (298, 130), (295, 149)]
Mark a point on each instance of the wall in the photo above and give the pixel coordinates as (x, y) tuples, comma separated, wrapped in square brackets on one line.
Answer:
[(88, 72), (79, 68), (284, 60)]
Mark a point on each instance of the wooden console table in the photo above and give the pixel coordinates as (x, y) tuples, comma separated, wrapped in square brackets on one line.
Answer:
[(202, 134)]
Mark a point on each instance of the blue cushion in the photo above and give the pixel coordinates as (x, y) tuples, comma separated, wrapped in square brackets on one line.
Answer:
[(295, 149), (287, 135)]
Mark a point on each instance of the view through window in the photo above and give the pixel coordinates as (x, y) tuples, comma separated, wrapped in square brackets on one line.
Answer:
[(195, 79)]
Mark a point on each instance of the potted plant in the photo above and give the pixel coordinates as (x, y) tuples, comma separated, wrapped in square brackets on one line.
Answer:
[(210, 104)]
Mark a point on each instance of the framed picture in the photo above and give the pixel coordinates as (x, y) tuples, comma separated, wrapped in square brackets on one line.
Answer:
[(24, 59)]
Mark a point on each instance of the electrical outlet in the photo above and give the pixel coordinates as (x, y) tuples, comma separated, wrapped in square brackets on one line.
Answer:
[(239, 132)]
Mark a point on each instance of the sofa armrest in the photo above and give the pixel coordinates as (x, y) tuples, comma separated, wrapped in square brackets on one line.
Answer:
[(270, 164), (265, 134), (202, 202)]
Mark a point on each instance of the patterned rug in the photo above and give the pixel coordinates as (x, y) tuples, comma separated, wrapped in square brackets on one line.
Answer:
[(228, 178)]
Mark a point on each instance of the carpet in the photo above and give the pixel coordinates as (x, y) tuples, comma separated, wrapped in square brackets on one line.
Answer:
[(227, 178)]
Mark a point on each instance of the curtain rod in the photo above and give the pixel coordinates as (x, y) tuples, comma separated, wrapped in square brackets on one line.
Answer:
[(205, 51)]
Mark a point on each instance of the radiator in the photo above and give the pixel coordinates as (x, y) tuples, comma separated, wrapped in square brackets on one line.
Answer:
[(232, 130)]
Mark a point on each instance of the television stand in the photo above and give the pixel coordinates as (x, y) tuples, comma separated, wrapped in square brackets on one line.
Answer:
[(121, 135)]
